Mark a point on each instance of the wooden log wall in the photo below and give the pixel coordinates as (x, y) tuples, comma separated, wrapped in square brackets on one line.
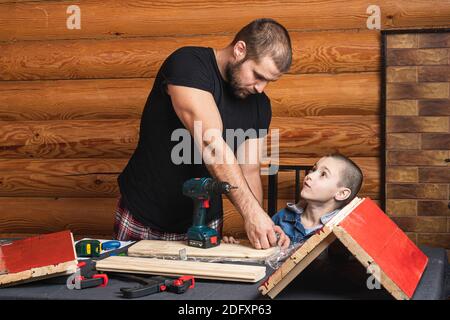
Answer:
[(71, 99)]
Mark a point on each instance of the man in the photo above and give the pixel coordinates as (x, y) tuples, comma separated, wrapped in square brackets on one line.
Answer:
[(220, 90)]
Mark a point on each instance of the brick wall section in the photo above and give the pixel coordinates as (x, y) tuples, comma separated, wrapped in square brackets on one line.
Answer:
[(418, 136)]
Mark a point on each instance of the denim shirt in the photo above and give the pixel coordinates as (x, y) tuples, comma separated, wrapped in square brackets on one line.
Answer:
[(289, 220)]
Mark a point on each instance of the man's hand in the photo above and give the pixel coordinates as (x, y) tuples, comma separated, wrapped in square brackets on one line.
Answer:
[(283, 240), (260, 230)]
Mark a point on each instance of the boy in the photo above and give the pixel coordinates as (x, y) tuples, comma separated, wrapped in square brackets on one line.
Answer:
[(331, 184)]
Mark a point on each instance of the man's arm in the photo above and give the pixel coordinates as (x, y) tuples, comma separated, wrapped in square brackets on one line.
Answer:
[(197, 105), (249, 157)]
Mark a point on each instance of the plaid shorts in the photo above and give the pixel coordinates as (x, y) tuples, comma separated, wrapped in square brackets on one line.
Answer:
[(127, 228)]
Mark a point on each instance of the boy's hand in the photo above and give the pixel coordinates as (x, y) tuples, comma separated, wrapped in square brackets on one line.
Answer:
[(284, 240), (230, 239)]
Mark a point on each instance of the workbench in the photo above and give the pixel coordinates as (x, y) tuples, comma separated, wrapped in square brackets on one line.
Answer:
[(323, 279)]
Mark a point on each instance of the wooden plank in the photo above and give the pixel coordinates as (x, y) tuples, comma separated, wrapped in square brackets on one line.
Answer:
[(226, 251), (73, 99), (367, 261), (390, 248), (304, 254), (313, 136), (58, 139), (351, 135), (313, 52), (433, 208), (438, 107), (401, 208), (47, 20), (202, 270), (395, 260), (416, 124), (436, 141), (291, 96), (434, 40), (26, 216), (89, 178), (417, 57), (402, 108), (33, 258), (429, 191), (296, 263), (417, 158), (422, 224), (341, 94), (434, 73), (425, 90), (78, 178)]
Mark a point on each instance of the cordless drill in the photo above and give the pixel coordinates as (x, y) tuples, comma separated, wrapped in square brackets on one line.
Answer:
[(200, 189)]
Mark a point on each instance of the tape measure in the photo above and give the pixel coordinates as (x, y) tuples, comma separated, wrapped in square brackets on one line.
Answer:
[(88, 248)]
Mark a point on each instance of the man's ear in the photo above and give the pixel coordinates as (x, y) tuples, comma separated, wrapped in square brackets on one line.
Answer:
[(342, 194), (239, 51)]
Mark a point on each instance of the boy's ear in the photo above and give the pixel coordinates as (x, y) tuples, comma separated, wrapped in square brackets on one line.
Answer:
[(342, 194)]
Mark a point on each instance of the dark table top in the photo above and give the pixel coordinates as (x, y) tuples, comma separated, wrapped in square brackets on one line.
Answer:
[(322, 279)]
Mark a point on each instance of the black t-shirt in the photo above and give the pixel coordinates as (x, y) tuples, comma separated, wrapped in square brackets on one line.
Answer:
[(151, 183)]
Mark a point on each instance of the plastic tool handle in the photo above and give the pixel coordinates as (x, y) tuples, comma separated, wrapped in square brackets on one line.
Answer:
[(109, 245)]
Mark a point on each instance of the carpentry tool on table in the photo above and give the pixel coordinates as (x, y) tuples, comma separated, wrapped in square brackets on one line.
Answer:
[(88, 248), (109, 245), (93, 248), (154, 284), (200, 189), (88, 277)]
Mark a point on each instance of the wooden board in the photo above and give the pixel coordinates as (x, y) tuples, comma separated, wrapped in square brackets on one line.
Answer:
[(396, 255), (37, 257), (372, 238), (355, 136), (35, 20), (202, 270), (297, 262), (325, 52), (99, 99), (159, 248)]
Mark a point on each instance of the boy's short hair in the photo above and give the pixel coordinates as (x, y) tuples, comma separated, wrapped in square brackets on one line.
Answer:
[(351, 177)]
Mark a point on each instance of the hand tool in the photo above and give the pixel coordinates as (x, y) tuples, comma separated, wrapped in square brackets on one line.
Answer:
[(200, 189), (154, 284), (88, 248), (109, 245), (88, 277)]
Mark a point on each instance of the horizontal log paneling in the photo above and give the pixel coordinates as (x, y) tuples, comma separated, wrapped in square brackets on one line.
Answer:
[(82, 216), (73, 99), (101, 19), (68, 139), (356, 136), (78, 178), (60, 178), (320, 95), (292, 95), (314, 52), (351, 135)]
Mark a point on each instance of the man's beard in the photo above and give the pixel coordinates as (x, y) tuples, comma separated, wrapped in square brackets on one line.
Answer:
[(231, 72)]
